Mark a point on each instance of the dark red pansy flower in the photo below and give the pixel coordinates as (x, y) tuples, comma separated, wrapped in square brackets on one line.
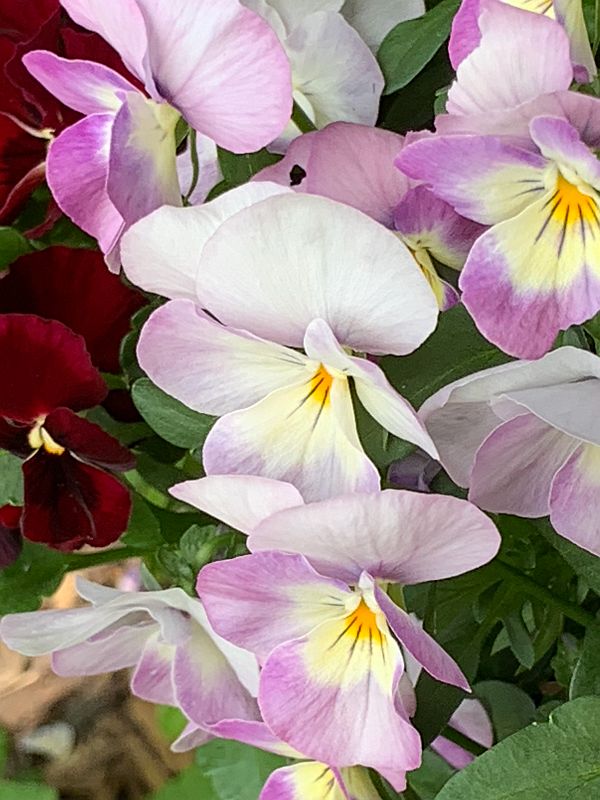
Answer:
[(69, 498), (75, 288), (11, 543)]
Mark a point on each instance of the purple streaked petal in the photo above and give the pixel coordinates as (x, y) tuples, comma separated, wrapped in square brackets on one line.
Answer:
[(254, 733), (470, 719), (559, 141), (483, 178), (399, 536), (575, 499), (151, 679), (77, 172), (161, 253), (515, 465), (307, 779), (241, 501), (465, 35), (87, 87), (259, 271), (432, 657), (120, 649), (190, 738), (334, 705), (211, 368), (142, 172), (231, 80), (121, 24), (426, 221), (261, 600)]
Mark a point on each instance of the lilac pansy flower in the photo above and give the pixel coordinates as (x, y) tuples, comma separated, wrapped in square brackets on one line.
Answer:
[(310, 603), (287, 272), (466, 33), (165, 636), (516, 66), (218, 65), (536, 271), (492, 426), (354, 164)]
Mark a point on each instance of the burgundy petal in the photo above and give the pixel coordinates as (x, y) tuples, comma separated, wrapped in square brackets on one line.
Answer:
[(66, 284), (11, 542), (87, 440), (69, 503), (44, 366), (22, 159), (13, 437)]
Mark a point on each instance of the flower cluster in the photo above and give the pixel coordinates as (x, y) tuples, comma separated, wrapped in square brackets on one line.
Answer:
[(274, 307)]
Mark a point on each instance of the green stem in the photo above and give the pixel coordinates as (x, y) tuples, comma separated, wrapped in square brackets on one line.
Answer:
[(534, 589), (596, 27), (302, 120), (195, 166), (463, 741), (82, 561)]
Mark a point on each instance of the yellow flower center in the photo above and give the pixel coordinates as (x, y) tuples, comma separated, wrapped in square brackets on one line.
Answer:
[(362, 624), (320, 387), (570, 206), (39, 437)]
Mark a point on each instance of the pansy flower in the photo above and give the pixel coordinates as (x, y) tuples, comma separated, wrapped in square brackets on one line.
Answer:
[(354, 164), (178, 659), (536, 271), (466, 33), (70, 498), (310, 601), (230, 80), (524, 437), (11, 543), (281, 303)]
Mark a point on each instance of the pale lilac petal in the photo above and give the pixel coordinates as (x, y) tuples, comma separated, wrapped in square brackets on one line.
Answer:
[(376, 18), (190, 738), (433, 658), (570, 407), (291, 170), (483, 178), (104, 653), (304, 434), (560, 141), (334, 70), (330, 696), (575, 499), (261, 600), (231, 79), (161, 253), (211, 368), (241, 501), (205, 686), (427, 222), (510, 65), (471, 719), (274, 267), (87, 87), (372, 387), (142, 174), (254, 733), (77, 172), (292, 12), (151, 679), (398, 536), (465, 35), (570, 15), (121, 24), (514, 467), (536, 274)]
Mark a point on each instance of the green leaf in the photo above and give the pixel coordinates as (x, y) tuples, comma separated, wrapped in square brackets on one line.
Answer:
[(143, 530), (173, 421), (557, 759), (36, 574), (519, 638), (411, 45), (15, 790), (11, 479), (191, 784), (152, 480), (433, 773), (455, 349), (509, 707), (236, 771), (238, 169), (12, 245), (581, 562), (586, 675)]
